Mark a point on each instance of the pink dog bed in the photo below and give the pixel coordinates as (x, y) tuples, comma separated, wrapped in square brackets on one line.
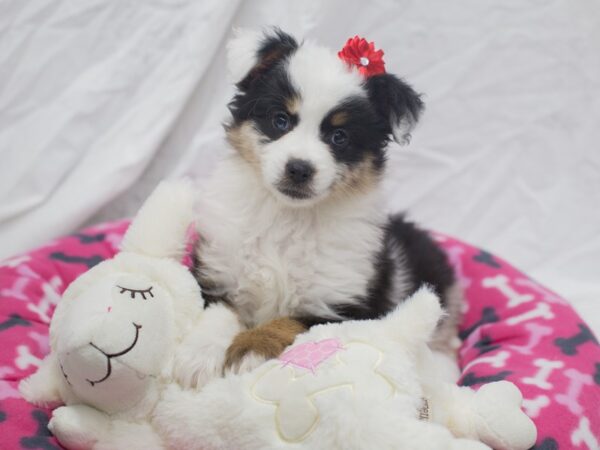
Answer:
[(513, 329)]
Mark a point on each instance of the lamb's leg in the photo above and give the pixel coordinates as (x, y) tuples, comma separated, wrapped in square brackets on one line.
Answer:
[(491, 415), (423, 435)]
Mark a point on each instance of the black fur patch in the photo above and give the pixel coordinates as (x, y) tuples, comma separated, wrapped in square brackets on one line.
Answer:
[(266, 90), (377, 302), (207, 286), (367, 132), (275, 47), (425, 262), (263, 101), (394, 99)]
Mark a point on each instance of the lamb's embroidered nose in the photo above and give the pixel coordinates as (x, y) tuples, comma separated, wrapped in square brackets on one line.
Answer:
[(109, 309)]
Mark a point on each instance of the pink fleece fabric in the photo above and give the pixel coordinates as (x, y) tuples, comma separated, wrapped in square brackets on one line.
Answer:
[(513, 329)]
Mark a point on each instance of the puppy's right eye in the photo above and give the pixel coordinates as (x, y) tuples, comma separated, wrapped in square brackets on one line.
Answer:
[(281, 121), (339, 138)]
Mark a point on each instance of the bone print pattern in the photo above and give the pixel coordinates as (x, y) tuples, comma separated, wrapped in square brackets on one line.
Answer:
[(514, 324), (30, 287), (513, 329)]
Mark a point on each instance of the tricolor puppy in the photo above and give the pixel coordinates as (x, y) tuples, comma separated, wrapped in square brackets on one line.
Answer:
[(292, 225)]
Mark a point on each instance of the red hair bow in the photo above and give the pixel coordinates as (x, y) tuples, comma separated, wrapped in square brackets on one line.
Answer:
[(362, 54)]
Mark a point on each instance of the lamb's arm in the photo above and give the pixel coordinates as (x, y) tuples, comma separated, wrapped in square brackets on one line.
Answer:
[(201, 355)]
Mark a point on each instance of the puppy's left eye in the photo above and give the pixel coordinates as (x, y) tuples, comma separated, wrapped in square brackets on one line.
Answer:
[(143, 293), (281, 121), (339, 138)]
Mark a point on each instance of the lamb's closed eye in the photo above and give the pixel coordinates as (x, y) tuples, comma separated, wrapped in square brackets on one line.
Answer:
[(143, 293)]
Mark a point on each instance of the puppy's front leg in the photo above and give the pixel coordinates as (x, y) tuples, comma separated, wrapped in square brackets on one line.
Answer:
[(251, 348)]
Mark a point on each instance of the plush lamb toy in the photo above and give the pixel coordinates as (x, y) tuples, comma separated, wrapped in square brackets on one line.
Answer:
[(120, 330), (353, 385), (126, 327)]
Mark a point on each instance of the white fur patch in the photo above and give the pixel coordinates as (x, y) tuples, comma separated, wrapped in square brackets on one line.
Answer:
[(241, 52), (275, 260), (320, 91)]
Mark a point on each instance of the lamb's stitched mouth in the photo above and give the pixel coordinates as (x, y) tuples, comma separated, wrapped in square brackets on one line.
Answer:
[(109, 356)]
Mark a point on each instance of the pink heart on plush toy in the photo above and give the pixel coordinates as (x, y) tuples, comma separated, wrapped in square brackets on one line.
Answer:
[(309, 355)]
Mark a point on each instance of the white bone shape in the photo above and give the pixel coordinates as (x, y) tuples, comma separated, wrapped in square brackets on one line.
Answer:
[(293, 391), (14, 262), (546, 367), (583, 435), (497, 361), (25, 359), (536, 333), (542, 310), (502, 284), (50, 297), (547, 296), (17, 290), (570, 399), (533, 406)]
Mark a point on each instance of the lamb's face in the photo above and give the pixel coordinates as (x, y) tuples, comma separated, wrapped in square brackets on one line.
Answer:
[(114, 340)]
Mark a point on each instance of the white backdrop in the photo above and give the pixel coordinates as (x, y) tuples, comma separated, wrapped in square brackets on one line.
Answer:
[(99, 99)]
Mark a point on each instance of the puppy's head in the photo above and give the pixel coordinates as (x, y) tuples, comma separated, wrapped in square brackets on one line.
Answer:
[(311, 125)]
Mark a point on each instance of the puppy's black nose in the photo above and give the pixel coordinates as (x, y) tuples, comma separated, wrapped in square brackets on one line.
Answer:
[(299, 171)]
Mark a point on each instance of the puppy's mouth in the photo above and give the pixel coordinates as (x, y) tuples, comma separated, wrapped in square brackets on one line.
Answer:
[(296, 193)]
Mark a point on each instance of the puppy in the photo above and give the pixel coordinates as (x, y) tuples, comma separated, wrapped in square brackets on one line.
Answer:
[(293, 232)]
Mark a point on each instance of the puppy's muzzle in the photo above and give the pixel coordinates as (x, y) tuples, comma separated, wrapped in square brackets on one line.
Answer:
[(299, 172), (297, 179)]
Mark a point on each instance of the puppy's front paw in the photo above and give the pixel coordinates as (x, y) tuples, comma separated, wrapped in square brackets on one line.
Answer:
[(251, 348)]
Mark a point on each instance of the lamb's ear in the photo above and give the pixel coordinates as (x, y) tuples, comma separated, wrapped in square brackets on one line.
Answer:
[(414, 320), (397, 102), (160, 226), (250, 53)]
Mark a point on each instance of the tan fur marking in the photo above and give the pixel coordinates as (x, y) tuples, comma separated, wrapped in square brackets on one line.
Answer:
[(293, 105), (243, 138), (359, 179), (268, 340), (339, 119)]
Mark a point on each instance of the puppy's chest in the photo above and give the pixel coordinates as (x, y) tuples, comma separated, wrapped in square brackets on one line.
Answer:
[(295, 268)]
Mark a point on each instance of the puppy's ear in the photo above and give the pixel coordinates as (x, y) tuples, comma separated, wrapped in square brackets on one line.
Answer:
[(397, 103), (251, 53)]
